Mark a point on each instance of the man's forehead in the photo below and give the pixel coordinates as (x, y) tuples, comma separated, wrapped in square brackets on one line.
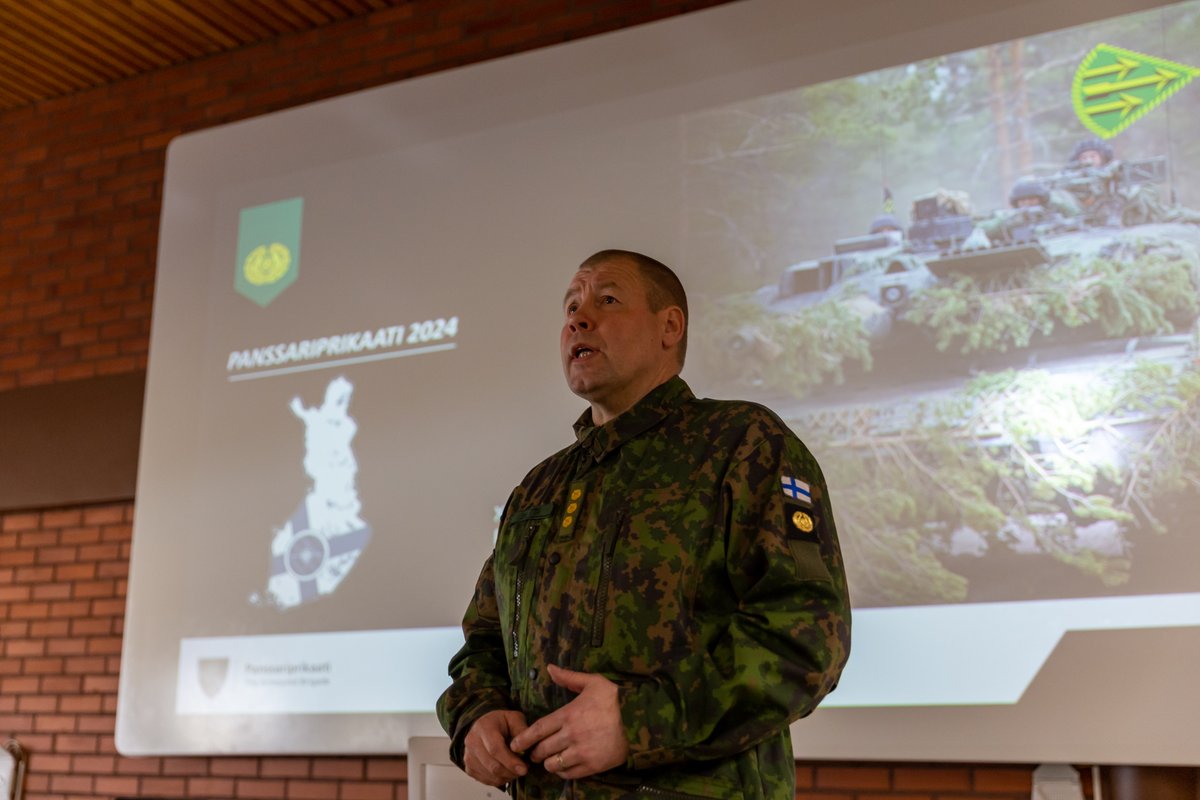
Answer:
[(619, 273)]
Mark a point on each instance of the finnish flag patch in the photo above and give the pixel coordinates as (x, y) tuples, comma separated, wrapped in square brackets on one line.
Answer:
[(796, 489)]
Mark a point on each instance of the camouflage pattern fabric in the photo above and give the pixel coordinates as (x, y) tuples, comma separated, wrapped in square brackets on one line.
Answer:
[(668, 551), (1107, 198)]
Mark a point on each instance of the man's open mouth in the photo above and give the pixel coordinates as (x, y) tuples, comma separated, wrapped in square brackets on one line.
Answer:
[(581, 351)]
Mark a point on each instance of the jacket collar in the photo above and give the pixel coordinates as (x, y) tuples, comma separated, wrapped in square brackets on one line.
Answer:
[(600, 440)]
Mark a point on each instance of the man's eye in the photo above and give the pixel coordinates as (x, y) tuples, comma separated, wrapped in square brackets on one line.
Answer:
[(608, 299), (571, 308)]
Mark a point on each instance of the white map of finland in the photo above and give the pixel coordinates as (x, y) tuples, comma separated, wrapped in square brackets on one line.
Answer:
[(319, 544)]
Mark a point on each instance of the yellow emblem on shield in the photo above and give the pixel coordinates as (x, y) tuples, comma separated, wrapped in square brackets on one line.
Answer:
[(266, 265), (802, 521)]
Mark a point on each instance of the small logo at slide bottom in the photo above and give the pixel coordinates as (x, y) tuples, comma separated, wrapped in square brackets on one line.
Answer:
[(212, 673)]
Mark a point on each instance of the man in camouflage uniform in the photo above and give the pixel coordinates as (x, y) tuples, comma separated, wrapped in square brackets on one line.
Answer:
[(1035, 210), (1107, 195), (666, 595)]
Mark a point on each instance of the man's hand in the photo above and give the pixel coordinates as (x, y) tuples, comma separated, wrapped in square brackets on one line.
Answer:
[(487, 756), (583, 737)]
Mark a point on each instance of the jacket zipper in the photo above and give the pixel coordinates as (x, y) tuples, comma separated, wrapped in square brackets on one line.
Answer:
[(520, 584), (670, 794), (610, 546)]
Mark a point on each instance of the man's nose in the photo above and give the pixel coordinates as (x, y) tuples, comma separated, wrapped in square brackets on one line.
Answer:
[(580, 322)]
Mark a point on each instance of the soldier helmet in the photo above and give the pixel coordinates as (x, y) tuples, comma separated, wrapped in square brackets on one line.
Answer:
[(885, 222), (1096, 145), (1027, 188)]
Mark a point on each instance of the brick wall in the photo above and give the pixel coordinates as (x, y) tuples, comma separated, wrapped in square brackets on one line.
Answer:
[(80, 189)]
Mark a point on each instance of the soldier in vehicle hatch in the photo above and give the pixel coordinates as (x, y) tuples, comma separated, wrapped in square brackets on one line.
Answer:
[(666, 594), (1035, 209), (1111, 192)]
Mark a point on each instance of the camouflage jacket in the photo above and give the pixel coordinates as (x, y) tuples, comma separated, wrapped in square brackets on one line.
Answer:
[(686, 550)]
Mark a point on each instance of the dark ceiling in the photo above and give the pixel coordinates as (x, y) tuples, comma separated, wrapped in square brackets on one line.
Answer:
[(50, 48)]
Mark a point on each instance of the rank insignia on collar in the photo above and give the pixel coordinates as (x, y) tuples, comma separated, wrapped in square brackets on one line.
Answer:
[(796, 489)]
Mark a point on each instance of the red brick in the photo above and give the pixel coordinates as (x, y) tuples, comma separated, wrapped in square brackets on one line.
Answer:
[(52, 591), (108, 608), (116, 786), (99, 552), (185, 766), (67, 743), (73, 608), (9, 594), (285, 767), (66, 647), (346, 768), (312, 790), (75, 535), (248, 787), (54, 723), (853, 778), (62, 684), (100, 683), (74, 572), (71, 784), (37, 704), (99, 723), (389, 770), (102, 515), (16, 558), (931, 778), (25, 648), (13, 724), (82, 704), (366, 791), (38, 539), (163, 787), (235, 767), (56, 555), (210, 787), (95, 589), (43, 761), (21, 522), (1004, 779), (86, 627), (139, 766)]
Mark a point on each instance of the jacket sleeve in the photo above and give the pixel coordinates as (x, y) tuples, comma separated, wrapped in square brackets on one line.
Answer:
[(783, 647), (478, 670)]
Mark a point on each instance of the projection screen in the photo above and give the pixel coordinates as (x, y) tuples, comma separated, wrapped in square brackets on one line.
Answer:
[(890, 236)]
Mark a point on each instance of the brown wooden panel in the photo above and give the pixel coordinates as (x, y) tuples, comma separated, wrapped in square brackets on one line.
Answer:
[(70, 443)]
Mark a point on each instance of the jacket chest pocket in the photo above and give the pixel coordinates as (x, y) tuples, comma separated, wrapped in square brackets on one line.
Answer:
[(520, 537)]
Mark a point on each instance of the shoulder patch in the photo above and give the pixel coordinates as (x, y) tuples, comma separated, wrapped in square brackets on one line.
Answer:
[(796, 489), (803, 522)]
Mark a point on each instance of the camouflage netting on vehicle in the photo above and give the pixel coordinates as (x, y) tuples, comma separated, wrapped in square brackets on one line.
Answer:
[(1140, 286), (1019, 462), (792, 351)]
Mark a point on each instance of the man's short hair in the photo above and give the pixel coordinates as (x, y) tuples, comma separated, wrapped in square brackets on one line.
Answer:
[(663, 287)]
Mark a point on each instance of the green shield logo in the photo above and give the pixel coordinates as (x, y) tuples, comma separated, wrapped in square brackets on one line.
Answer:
[(268, 249), (1114, 87)]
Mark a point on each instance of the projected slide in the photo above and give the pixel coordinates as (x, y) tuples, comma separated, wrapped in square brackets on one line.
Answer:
[(970, 282), (995, 354)]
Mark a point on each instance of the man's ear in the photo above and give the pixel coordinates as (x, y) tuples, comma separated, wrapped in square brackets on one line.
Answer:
[(673, 325)]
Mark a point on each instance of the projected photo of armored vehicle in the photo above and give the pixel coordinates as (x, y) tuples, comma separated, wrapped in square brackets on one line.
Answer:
[(974, 291)]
